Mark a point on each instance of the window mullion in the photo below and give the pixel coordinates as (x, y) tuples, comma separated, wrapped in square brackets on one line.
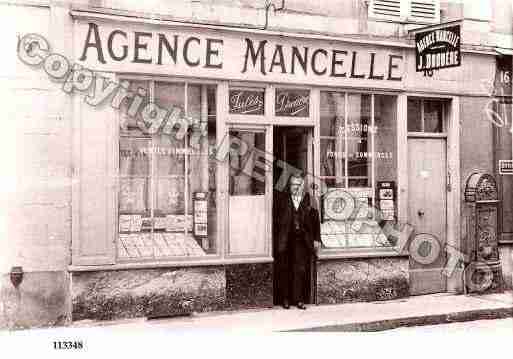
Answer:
[(186, 163), (153, 191), (373, 154), (422, 127), (346, 112)]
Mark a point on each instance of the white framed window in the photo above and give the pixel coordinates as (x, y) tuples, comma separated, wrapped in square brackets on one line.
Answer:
[(163, 176), (357, 151), (416, 11)]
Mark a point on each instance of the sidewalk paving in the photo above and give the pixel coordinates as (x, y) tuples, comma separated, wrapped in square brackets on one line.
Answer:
[(369, 316)]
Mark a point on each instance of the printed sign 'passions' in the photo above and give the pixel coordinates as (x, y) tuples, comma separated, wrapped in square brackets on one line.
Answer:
[(438, 49)]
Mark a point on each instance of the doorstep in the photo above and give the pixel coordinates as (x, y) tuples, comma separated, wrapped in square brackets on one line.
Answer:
[(369, 316)]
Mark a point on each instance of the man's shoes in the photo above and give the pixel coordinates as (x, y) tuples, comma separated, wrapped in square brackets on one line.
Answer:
[(301, 305), (286, 304)]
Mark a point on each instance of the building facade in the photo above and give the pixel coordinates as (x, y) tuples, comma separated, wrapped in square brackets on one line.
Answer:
[(150, 140)]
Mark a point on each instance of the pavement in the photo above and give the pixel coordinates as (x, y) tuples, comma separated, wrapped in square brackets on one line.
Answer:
[(369, 316)]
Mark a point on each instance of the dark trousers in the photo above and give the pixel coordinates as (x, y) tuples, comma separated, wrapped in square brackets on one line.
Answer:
[(292, 265)]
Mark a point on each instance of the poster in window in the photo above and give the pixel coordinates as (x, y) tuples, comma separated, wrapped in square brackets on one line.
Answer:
[(200, 214)]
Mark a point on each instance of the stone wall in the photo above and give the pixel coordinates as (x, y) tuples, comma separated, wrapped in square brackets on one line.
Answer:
[(41, 300), (506, 256), (36, 191), (106, 295), (366, 279)]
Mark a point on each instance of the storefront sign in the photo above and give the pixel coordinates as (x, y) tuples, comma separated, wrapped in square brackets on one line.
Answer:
[(438, 49), (292, 103), (506, 167), (246, 102), (229, 55)]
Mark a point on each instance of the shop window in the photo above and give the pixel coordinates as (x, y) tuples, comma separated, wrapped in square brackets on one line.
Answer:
[(167, 189), (358, 150), (426, 115)]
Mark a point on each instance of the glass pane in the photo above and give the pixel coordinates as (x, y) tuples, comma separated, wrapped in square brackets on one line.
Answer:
[(246, 177), (333, 154), (171, 96), (328, 157), (332, 113), (167, 189), (292, 103), (414, 115), (433, 116), (385, 156), (385, 139), (358, 140), (134, 170), (201, 190), (130, 113)]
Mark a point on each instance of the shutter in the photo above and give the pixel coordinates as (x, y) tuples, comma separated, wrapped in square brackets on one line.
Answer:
[(427, 11), (94, 196), (385, 9)]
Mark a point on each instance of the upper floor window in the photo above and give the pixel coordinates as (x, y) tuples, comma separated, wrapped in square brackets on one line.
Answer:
[(418, 11)]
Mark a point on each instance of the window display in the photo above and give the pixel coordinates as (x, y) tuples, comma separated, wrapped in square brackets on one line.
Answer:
[(358, 150), (161, 172)]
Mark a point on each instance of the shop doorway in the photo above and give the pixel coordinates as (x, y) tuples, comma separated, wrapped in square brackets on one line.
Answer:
[(427, 213), (294, 146)]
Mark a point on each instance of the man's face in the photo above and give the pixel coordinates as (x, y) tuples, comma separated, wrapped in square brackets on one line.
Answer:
[(296, 185)]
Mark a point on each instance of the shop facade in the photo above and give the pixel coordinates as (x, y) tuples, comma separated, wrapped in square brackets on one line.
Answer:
[(184, 133), (352, 115)]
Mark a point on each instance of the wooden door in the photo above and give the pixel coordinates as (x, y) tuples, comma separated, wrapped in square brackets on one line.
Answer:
[(249, 193), (427, 213)]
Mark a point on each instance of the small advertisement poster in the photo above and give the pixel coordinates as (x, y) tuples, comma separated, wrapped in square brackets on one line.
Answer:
[(200, 214)]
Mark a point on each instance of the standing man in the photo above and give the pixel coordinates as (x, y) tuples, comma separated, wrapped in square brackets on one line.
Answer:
[(297, 227)]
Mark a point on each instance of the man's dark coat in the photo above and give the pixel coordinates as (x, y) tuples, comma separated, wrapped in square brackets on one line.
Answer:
[(309, 217), (283, 221)]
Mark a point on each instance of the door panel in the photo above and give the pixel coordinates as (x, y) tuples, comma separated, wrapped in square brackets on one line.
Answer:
[(247, 225), (248, 216), (427, 172)]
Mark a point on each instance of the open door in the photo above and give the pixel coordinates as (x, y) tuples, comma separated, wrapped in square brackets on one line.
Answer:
[(294, 146)]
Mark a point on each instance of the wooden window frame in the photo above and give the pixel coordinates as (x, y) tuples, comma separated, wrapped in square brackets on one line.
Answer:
[(178, 260)]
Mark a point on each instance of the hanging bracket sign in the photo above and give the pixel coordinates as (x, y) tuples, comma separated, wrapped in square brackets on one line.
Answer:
[(438, 49)]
